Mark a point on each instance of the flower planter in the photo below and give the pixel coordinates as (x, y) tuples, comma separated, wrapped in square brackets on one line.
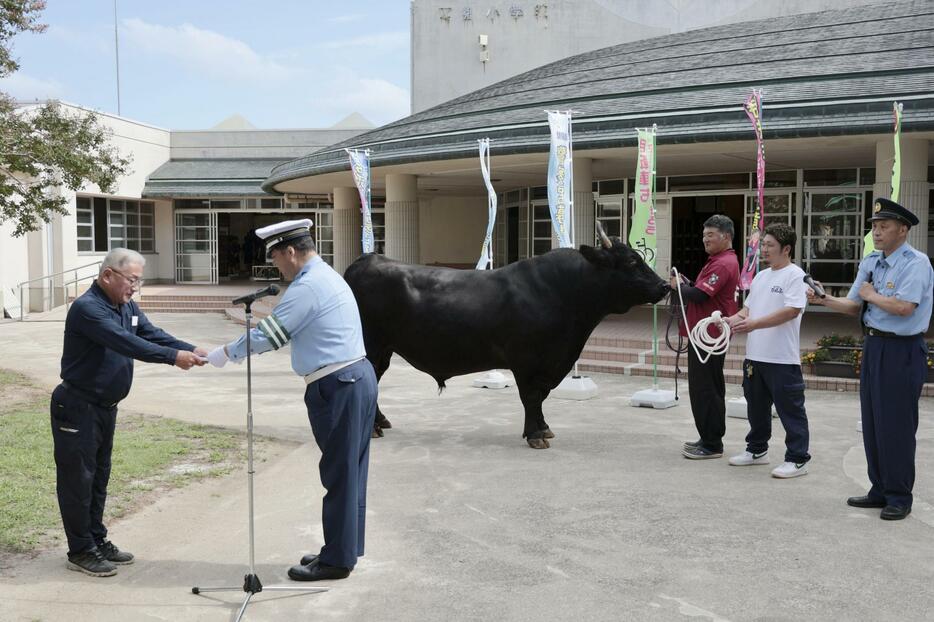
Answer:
[(834, 369), (841, 353)]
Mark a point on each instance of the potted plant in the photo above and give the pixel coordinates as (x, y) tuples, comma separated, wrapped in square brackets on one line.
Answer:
[(812, 358), (840, 347)]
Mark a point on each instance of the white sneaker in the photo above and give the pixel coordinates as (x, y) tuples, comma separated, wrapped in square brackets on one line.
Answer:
[(790, 469), (747, 458)]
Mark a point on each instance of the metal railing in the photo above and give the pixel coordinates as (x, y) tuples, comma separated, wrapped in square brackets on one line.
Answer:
[(51, 279)]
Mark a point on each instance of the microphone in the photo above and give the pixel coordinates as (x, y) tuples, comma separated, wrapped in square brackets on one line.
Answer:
[(817, 288), (271, 290)]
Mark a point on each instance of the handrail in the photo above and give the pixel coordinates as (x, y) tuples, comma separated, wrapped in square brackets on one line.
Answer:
[(51, 278)]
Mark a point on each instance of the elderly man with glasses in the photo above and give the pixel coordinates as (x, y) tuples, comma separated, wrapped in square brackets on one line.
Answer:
[(104, 331)]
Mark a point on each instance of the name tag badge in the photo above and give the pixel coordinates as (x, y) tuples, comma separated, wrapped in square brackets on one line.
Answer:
[(135, 321)]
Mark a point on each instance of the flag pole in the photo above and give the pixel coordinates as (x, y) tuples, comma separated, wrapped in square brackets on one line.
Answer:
[(654, 305)]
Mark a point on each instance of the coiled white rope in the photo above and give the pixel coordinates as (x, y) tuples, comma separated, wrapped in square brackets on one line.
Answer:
[(698, 336)]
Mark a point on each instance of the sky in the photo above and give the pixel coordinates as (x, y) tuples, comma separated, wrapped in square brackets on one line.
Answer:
[(189, 64)]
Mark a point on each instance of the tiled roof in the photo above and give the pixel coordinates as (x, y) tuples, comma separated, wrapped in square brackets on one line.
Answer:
[(209, 178), (828, 73)]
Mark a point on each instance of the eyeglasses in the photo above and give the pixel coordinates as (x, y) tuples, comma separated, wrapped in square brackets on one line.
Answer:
[(135, 282)]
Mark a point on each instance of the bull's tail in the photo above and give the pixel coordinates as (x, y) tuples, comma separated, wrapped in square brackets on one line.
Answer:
[(441, 385)]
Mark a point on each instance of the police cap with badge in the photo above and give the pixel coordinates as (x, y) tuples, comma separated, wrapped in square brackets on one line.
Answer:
[(885, 209), (281, 232)]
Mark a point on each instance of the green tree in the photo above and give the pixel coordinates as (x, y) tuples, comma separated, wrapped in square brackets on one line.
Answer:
[(44, 147)]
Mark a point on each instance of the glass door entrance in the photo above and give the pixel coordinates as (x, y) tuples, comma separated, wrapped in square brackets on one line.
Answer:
[(196, 247)]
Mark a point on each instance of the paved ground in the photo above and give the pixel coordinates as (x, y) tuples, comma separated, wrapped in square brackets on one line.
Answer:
[(467, 523)]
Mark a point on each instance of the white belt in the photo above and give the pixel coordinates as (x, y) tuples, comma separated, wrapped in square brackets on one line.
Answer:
[(321, 372)]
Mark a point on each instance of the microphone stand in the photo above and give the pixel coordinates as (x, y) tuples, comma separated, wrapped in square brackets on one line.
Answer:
[(251, 582)]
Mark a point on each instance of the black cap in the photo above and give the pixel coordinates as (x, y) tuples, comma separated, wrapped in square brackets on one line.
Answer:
[(884, 209)]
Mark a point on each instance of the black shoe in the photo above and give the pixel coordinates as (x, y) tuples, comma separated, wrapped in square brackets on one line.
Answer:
[(91, 563), (318, 571), (307, 559), (865, 502), (696, 443), (114, 555), (700, 453), (895, 512)]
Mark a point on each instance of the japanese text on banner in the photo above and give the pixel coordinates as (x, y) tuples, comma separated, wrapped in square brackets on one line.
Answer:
[(560, 200), (642, 236)]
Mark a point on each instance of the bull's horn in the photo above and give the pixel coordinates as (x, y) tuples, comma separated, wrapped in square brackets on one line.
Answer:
[(605, 240)]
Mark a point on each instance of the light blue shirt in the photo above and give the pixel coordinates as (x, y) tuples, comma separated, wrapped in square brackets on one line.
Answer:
[(905, 274), (318, 314)]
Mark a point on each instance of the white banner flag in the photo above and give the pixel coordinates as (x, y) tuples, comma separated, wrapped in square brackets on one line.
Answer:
[(560, 176), (360, 167), (486, 253)]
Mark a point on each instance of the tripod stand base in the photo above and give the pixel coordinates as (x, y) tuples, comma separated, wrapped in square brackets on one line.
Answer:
[(252, 585)]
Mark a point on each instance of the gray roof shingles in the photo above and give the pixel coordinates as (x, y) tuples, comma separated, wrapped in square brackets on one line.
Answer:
[(221, 177), (827, 73)]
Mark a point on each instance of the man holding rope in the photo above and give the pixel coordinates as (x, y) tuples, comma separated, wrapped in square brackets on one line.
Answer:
[(713, 290), (772, 369)]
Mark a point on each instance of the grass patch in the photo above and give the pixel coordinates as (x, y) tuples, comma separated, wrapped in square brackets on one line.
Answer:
[(151, 455)]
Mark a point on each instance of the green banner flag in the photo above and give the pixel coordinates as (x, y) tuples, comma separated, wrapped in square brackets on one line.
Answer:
[(868, 246), (642, 234)]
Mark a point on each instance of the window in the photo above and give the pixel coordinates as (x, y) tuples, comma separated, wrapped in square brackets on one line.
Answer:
[(104, 224), (541, 229), (832, 240), (131, 225), (85, 218), (323, 232)]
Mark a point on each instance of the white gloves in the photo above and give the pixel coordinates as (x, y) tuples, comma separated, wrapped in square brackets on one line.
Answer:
[(217, 357)]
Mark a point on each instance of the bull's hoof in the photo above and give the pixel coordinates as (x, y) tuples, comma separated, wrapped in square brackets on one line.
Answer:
[(538, 443), (384, 423), (377, 432), (547, 433)]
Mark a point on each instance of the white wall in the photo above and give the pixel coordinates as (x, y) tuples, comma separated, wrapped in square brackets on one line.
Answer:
[(13, 266), (451, 229), (148, 147)]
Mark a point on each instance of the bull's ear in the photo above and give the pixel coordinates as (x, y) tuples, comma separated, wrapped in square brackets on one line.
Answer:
[(596, 256)]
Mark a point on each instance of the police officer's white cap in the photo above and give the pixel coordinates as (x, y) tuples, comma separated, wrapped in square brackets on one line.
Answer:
[(283, 232)]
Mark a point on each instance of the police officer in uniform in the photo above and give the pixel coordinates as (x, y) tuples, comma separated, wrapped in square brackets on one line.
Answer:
[(892, 294), (104, 331), (318, 314)]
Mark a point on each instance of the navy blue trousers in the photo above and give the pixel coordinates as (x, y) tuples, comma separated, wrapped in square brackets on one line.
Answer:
[(83, 435), (781, 384), (341, 409), (890, 384)]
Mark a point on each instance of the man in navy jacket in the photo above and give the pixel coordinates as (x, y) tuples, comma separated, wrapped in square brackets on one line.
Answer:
[(104, 331)]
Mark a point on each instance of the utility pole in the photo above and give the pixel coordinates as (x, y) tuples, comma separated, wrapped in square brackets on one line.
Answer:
[(117, 51)]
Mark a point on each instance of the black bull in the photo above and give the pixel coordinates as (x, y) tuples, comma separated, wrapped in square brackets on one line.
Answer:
[(532, 317)]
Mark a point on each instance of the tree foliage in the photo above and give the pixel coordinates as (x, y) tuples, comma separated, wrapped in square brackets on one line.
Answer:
[(44, 147)]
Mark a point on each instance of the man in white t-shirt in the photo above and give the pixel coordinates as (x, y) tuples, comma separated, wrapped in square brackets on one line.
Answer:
[(772, 369)]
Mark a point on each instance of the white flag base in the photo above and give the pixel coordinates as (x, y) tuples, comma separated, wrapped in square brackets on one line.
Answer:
[(736, 408), (575, 388), (653, 398), (493, 380)]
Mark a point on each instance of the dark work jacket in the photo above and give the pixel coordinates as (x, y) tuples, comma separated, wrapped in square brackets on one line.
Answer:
[(101, 342)]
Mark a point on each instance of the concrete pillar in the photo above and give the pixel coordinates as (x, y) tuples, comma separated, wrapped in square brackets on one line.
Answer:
[(347, 228), (913, 193), (584, 215), (402, 218)]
